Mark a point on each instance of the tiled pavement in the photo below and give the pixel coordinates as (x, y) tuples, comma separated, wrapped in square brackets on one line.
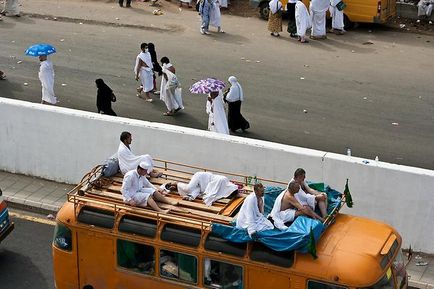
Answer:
[(48, 196)]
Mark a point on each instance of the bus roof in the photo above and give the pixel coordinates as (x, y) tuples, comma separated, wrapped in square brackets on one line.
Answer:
[(351, 251)]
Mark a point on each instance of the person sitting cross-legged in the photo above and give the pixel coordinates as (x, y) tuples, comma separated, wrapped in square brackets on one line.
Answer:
[(138, 191)]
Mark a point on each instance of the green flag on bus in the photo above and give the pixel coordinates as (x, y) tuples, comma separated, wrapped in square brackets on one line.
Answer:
[(311, 248), (348, 198)]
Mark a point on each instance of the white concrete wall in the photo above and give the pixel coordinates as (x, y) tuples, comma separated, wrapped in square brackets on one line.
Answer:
[(62, 144)]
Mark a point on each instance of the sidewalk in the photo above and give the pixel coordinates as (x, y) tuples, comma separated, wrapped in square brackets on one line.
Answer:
[(38, 194)]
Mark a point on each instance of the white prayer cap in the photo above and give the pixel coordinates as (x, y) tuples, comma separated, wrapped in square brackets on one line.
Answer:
[(146, 166), (232, 79)]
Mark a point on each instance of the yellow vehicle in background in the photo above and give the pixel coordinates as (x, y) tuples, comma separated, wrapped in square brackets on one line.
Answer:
[(356, 11)]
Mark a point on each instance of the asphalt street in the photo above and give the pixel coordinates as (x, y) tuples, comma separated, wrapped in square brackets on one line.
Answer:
[(370, 90), (25, 255)]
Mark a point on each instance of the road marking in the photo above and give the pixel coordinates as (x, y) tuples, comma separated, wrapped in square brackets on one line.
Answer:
[(32, 218)]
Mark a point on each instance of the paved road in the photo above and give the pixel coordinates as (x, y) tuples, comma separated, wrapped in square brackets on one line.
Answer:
[(375, 98), (25, 256)]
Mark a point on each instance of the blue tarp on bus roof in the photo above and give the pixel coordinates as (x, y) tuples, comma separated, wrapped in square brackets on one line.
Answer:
[(296, 237)]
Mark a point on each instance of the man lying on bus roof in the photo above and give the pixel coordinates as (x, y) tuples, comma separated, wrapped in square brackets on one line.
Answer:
[(286, 208), (138, 191), (212, 187), (251, 215), (129, 161), (308, 196)]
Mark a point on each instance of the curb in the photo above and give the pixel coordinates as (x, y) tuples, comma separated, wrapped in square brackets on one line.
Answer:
[(420, 285), (29, 205)]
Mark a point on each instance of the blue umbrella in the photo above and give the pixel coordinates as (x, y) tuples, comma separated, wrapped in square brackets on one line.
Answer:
[(40, 49)]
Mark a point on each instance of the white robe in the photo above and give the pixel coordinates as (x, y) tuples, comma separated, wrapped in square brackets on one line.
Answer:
[(136, 189), (337, 16), (215, 15), (281, 217), (250, 218), (217, 121), (145, 73), (302, 19), (213, 187), (235, 92), (318, 9), (170, 90), (223, 3), (11, 8), (304, 198), (46, 76), (128, 161), (424, 8)]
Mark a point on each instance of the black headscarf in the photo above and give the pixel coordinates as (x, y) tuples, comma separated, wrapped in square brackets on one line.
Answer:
[(100, 84), (151, 50)]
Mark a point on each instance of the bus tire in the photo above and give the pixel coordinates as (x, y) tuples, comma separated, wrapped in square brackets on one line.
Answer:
[(347, 23), (264, 10)]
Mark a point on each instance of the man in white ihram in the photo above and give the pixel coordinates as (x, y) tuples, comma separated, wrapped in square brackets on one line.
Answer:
[(46, 76), (129, 161), (144, 71), (213, 187), (138, 191), (251, 215), (318, 9)]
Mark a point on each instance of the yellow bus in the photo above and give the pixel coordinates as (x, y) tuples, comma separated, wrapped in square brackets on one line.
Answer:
[(356, 11), (101, 243)]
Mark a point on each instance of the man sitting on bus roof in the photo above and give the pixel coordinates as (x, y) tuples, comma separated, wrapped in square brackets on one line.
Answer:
[(212, 187), (286, 208), (129, 161), (308, 196), (251, 215), (138, 191)]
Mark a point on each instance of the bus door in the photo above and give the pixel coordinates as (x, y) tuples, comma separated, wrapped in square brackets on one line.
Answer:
[(95, 253)]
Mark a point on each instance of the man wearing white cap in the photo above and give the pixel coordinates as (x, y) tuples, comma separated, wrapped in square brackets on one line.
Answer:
[(138, 191)]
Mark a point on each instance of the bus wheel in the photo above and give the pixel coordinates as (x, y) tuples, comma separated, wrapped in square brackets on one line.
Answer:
[(264, 10), (347, 23)]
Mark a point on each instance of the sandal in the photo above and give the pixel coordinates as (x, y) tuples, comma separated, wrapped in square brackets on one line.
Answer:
[(168, 113), (149, 100)]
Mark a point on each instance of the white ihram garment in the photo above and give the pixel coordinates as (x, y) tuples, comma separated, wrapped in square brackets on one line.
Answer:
[(302, 19), (46, 76), (145, 73), (214, 187), (318, 9), (129, 161), (136, 189), (11, 8), (337, 16), (281, 217), (170, 89), (217, 120), (250, 218), (305, 199), (215, 15)]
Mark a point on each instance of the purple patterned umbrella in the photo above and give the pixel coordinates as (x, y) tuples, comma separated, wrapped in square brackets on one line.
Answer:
[(206, 86)]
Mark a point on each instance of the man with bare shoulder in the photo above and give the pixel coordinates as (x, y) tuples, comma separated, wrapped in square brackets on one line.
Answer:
[(307, 196), (286, 207)]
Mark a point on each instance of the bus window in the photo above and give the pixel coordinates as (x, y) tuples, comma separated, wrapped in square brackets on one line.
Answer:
[(222, 275), (136, 257), (319, 285), (62, 238), (178, 266)]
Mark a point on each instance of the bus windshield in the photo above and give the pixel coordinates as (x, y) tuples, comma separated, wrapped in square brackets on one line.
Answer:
[(385, 283), (399, 270)]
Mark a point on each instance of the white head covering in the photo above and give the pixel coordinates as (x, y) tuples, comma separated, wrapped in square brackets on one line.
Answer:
[(235, 88), (146, 166), (275, 5)]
